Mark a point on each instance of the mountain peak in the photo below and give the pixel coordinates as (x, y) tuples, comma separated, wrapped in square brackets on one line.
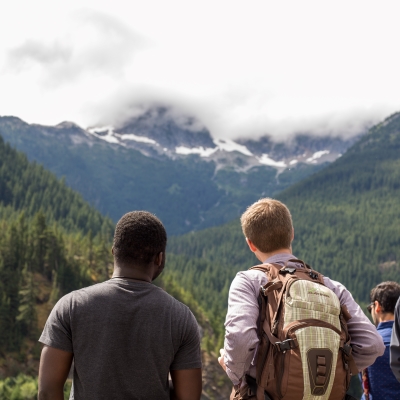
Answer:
[(67, 125)]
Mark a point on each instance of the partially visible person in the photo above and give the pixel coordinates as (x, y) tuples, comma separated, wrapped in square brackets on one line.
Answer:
[(395, 343), (125, 335), (378, 379), (268, 230)]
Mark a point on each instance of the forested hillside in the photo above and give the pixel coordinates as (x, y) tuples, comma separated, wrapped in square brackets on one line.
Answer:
[(346, 220), (53, 242), (28, 187)]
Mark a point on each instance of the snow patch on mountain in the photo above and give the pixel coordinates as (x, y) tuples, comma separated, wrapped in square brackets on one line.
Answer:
[(196, 150), (108, 136), (264, 159), (98, 130), (172, 141), (230, 145), (141, 139), (317, 155)]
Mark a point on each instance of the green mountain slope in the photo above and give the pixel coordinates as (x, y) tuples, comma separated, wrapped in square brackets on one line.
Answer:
[(186, 193), (53, 242), (29, 187), (346, 220), (347, 217)]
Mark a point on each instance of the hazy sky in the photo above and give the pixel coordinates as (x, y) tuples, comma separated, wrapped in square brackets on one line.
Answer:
[(243, 68)]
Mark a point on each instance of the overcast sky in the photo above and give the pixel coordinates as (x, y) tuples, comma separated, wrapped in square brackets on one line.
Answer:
[(243, 68)]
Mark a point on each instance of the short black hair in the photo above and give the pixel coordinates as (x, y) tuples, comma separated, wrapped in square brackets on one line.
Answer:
[(138, 237), (387, 294)]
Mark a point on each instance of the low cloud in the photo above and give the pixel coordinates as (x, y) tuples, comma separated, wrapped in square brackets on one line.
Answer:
[(33, 52), (229, 118), (239, 71), (96, 44)]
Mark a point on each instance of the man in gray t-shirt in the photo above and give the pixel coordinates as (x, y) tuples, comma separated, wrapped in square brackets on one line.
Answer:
[(125, 335)]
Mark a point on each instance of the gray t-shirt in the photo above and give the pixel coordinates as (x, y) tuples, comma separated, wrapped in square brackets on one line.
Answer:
[(126, 336)]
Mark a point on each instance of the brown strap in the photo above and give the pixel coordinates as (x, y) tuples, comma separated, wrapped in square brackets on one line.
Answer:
[(293, 326), (266, 328), (260, 393), (271, 270), (261, 314), (352, 365), (261, 267), (345, 312), (284, 281)]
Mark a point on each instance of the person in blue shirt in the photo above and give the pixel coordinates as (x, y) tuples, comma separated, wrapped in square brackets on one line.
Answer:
[(379, 381)]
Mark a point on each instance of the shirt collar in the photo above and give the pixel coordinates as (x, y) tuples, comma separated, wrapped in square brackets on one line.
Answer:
[(280, 258), (385, 325)]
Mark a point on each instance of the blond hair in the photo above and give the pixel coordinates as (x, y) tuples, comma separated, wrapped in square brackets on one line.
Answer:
[(268, 224)]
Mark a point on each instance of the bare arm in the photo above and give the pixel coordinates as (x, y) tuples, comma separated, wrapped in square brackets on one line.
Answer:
[(187, 384), (53, 372)]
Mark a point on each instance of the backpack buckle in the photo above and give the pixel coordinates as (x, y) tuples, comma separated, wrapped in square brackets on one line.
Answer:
[(347, 349), (263, 290), (313, 275), (290, 270), (286, 345)]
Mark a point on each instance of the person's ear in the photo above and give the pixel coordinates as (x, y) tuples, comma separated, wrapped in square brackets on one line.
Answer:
[(378, 306), (251, 245), (159, 258), (112, 250)]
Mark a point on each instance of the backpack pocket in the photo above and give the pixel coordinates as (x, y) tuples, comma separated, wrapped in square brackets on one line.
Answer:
[(312, 365)]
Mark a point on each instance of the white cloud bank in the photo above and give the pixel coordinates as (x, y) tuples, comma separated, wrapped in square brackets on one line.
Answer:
[(242, 68)]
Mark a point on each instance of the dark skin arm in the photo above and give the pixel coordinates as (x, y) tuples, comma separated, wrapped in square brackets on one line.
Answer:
[(53, 372), (187, 384)]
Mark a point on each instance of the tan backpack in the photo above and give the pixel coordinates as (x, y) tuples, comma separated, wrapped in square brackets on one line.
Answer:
[(304, 351)]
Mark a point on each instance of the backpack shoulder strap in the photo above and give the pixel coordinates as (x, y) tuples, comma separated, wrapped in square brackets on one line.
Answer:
[(273, 271), (270, 269)]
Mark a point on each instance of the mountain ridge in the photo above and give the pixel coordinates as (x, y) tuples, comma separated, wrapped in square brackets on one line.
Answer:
[(156, 134), (187, 191)]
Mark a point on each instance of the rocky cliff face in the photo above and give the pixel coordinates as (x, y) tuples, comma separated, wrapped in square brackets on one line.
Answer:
[(216, 384)]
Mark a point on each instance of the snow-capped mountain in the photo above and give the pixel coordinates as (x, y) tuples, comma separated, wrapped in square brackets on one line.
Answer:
[(156, 133), (170, 165)]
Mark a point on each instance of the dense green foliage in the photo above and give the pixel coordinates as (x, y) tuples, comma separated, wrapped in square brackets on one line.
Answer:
[(27, 186), (346, 220), (52, 242), (347, 217), (66, 262), (185, 193), (23, 387)]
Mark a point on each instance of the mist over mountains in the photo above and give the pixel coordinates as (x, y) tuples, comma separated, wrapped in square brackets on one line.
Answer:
[(170, 166)]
